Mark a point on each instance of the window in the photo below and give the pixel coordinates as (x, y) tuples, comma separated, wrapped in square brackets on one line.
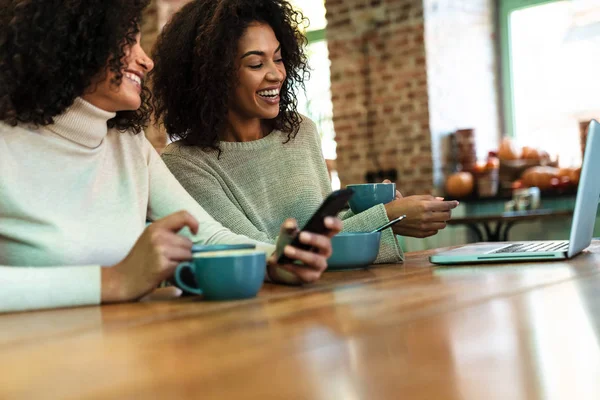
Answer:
[(550, 54), (315, 103)]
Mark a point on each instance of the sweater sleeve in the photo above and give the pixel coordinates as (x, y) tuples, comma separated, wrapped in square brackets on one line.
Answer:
[(205, 189), (30, 288), (368, 220), (168, 196)]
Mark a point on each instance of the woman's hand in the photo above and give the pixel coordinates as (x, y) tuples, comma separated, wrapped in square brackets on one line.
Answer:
[(152, 259), (314, 263), (425, 214), (398, 194)]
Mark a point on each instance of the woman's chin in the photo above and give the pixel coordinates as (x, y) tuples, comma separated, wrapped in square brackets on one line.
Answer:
[(131, 105), (270, 114)]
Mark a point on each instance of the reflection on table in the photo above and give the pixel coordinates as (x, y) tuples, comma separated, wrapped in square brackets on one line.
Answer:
[(415, 331)]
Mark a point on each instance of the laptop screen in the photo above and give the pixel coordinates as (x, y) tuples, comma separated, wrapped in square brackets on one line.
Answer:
[(588, 194)]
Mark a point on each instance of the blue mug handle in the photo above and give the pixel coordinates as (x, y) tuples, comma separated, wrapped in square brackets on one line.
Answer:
[(179, 281)]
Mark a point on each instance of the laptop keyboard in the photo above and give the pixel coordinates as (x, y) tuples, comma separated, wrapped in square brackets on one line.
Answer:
[(562, 245)]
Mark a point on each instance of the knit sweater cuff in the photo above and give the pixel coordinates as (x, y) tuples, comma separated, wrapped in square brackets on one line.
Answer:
[(389, 248)]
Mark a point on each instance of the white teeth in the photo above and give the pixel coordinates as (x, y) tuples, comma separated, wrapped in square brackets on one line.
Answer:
[(134, 78), (269, 93)]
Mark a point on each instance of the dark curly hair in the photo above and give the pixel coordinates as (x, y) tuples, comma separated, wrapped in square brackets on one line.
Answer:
[(195, 66), (51, 49)]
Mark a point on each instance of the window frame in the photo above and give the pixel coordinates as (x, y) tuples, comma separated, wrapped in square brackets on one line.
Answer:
[(506, 7), (317, 35)]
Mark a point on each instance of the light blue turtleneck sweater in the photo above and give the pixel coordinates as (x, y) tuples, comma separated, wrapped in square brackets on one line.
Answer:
[(75, 196)]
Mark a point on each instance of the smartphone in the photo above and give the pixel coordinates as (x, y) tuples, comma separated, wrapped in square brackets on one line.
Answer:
[(330, 207)]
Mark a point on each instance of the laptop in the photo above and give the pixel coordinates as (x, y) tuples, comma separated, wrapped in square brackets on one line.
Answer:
[(582, 227)]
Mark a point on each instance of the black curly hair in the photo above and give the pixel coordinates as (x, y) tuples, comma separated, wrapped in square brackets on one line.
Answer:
[(51, 49), (195, 66)]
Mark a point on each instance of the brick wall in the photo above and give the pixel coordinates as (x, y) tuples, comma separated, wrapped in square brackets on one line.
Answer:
[(379, 90), (462, 75)]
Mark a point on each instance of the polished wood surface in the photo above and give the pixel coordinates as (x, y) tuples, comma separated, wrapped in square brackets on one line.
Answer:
[(414, 331)]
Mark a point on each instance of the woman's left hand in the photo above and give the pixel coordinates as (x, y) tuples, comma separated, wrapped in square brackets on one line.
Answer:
[(314, 263)]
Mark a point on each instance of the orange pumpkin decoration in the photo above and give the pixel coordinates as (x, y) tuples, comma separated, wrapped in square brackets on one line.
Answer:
[(571, 173), (543, 177), (459, 184)]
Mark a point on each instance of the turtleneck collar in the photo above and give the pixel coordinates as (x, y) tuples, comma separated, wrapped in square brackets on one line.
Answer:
[(82, 123)]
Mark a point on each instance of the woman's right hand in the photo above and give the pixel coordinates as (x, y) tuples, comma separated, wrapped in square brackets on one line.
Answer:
[(312, 263), (425, 214), (152, 259)]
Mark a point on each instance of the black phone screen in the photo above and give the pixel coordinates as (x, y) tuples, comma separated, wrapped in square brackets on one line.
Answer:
[(330, 207)]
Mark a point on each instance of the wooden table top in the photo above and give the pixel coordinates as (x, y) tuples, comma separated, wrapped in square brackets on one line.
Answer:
[(412, 331)]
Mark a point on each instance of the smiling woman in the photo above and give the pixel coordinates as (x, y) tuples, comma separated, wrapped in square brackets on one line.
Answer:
[(75, 61), (79, 179), (229, 79), (208, 58), (105, 94), (260, 77)]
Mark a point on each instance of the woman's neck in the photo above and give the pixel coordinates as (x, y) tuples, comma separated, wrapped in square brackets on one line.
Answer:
[(244, 130)]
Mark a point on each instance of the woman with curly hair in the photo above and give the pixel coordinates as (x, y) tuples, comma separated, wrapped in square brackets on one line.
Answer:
[(224, 82), (79, 179)]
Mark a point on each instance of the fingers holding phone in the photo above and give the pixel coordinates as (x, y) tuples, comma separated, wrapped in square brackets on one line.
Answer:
[(320, 243), (311, 246), (302, 257)]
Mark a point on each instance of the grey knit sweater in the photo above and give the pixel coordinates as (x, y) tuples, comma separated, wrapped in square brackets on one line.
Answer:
[(255, 185)]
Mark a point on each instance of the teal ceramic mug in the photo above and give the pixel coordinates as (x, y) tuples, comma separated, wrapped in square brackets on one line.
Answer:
[(224, 275), (367, 195)]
